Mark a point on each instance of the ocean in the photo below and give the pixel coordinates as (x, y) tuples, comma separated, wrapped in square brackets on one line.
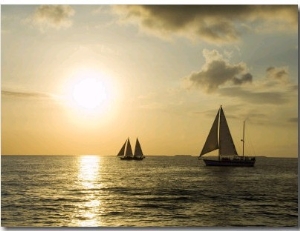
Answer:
[(160, 191)]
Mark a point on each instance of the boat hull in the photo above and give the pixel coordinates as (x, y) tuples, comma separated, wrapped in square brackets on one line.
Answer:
[(126, 158), (131, 158), (230, 163), (138, 158)]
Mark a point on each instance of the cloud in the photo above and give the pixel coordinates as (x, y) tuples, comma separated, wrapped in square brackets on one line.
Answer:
[(255, 97), (244, 79), (279, 74), (267, 91), (27, 95), (212, 23), (275, 88), (217, 71), (277, 78), (226, 79), (53, 16)]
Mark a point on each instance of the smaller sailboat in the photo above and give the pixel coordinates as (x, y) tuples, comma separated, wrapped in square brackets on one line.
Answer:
[(125, 152), (220, 138)]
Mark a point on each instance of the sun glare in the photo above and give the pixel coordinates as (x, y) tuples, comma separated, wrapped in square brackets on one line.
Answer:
[(88, 90), (89, 93), (91, 97)]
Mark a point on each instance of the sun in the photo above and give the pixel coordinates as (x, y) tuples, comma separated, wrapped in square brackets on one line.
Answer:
[(88, 90), (89, 93)]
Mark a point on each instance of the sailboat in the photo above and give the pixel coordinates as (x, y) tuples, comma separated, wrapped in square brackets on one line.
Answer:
[(125, 152), (138, 153), (220, 138)]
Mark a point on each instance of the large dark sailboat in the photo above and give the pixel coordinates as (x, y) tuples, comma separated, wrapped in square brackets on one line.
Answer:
[(220, 138)]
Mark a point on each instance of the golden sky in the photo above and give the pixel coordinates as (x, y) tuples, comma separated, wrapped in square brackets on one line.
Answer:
[(81, 79)]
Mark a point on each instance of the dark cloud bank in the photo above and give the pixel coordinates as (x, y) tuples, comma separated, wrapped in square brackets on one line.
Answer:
[(211, 23)]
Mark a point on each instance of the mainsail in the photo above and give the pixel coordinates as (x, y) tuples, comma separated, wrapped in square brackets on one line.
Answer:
[(227, 147), (224, 142), (128, 151), (138, 150)]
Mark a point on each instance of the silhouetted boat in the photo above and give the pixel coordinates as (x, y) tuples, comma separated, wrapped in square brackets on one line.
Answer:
[(220, 138), (126, 152)]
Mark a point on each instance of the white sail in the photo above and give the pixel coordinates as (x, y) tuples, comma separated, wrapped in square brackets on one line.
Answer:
[(128, 151), (138, 150), (227, 147), (211, 142), (121, 152)]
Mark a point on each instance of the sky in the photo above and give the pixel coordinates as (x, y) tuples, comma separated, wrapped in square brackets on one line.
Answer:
[(81, 79)]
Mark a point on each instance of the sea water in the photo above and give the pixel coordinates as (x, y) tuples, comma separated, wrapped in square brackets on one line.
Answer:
[(160, 191)]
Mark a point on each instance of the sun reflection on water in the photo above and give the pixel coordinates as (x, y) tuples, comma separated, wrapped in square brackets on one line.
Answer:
[(89, 178), (88, 170)]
